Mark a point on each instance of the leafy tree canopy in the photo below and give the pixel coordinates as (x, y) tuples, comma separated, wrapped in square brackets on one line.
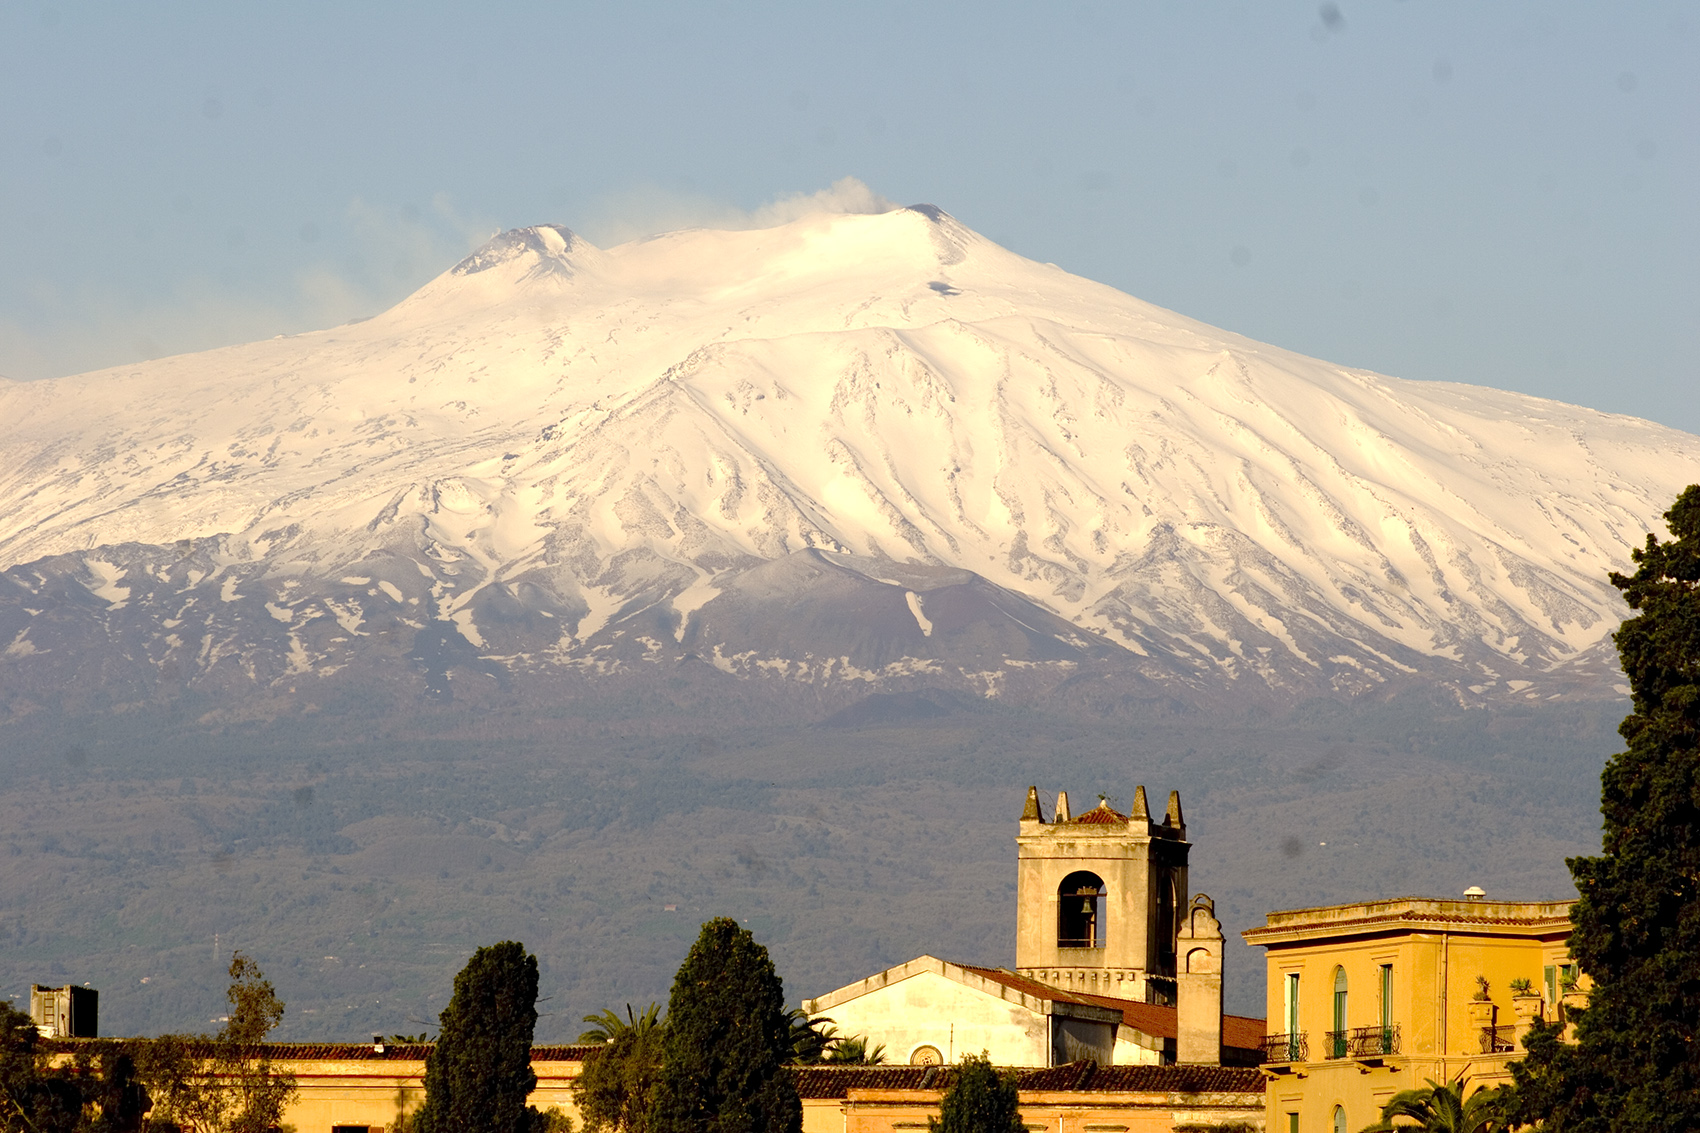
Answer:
[(33, 1099), (616, 1089), (1636, 1061), (221, 1083), (728, 1040), (980, 1100)]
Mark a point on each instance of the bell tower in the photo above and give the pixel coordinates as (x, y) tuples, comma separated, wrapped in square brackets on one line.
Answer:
[(1097, 898)]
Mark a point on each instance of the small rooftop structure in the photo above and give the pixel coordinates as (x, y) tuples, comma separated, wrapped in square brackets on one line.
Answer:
[(68, 1012)]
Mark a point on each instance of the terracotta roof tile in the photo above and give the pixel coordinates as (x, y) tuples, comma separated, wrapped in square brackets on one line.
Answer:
[(1072, 1076), (1159, 1021), (1178, 1079), (827, 1082), (1032, 987), (1101, 815), (363, 1052), (836, 1081)]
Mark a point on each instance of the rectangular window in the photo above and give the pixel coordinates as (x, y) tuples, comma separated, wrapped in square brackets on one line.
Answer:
[(1292, 1003), (1292, 1123), (1386, 996), (1551, 974)]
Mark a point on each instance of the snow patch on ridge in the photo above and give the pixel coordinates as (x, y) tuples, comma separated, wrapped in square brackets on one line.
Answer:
[(549, 424)]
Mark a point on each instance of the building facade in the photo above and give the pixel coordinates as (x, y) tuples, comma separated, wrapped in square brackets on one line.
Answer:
[(1108, 942), (368, 1087), (1371, 998)]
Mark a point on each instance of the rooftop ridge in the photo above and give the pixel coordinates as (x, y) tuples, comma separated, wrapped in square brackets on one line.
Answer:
[(1394, 910)]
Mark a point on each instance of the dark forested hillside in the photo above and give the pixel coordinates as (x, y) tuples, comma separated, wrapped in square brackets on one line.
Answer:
[(361, 850)]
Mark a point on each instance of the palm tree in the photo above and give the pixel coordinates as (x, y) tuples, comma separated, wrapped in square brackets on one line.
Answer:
[(854, 1051), (810, 1038), (1441, 1108), (609, 1026)]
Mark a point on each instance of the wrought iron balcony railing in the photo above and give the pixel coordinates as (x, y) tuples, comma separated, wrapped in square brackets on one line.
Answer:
[(1286, 1048), (1362, 1042), (1499, 1040), (1372, 1042)]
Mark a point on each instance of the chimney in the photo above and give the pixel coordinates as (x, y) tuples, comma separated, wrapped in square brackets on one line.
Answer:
[(1198, 985), (377, 1044)]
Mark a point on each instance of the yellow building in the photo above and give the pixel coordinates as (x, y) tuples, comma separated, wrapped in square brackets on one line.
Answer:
[(1368, 999), (364, 1087)]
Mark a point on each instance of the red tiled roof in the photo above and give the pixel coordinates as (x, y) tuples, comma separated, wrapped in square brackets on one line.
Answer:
[(826, 1082), (1153, 1019), (1176, 1079), (1033, 987), (1159, 1021), (363, 1052), (836, 1081), (829, 1082), (1101, 815)]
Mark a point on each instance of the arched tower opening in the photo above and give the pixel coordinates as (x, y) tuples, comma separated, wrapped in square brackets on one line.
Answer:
[(1080, 911)]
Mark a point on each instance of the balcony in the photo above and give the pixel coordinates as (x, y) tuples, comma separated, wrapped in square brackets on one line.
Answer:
[(1363, 1043), (1286, 1048), (1499, 1040)]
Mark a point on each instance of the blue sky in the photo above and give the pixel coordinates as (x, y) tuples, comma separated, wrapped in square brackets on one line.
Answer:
[(1497, 194)]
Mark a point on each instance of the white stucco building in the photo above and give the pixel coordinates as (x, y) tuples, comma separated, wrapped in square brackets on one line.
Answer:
[(1107, 942)]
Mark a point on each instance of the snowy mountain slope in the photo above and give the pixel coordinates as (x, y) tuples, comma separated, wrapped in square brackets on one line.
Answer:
[(765, 447)]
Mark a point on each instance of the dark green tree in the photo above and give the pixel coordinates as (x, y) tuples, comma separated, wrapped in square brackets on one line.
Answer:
[(114, 1099), (1636, 1061), (479, 1074), (980, 1100), (33, 1098), (728, 1040)]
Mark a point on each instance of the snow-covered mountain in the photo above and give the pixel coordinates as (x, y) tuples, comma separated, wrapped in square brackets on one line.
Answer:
[(866, 449)]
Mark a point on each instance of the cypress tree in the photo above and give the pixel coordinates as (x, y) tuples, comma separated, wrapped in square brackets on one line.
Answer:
[(479, 1074), (728, 1040), (980, 1101), (1636, 1061)]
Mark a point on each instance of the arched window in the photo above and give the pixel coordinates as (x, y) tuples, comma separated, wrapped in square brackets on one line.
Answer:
[(1337, 1037), (1080, 911), (926, 1055), (1339, 1119)]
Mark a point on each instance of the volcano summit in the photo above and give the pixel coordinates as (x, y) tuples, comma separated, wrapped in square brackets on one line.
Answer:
[(875, 452)]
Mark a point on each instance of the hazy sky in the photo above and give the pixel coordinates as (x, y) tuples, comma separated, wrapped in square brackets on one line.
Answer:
[(1502, 194)]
